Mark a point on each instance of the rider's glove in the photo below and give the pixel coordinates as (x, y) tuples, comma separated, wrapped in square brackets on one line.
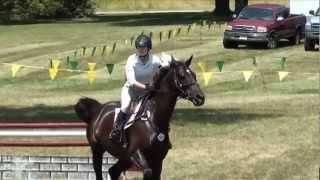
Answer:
[(150, 88)]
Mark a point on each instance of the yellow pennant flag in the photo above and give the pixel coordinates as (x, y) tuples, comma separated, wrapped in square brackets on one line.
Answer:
[(92, 66), (53, 73), (202, 66), (247, 75), (92, 75), (207, 76), (56, 63), (14, 69), (282, 75)]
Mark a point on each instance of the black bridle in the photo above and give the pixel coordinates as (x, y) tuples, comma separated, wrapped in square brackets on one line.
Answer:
[(183, 87)]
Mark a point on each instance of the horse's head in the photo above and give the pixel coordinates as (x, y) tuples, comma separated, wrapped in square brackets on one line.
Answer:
[(185, 82)]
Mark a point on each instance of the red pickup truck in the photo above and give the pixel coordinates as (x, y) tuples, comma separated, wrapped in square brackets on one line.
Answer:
[(264, 23)]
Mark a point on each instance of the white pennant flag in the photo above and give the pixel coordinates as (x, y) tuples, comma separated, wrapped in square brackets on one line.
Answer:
[(282, 75), (247, 75)]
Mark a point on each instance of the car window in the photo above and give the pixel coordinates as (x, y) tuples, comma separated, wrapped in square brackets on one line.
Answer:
[(256, 13), (318, 12)]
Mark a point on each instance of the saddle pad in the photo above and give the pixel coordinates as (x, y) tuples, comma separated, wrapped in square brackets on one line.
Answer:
[(132, 117)]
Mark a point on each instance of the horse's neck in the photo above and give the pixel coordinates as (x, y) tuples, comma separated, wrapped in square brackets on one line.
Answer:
[(165, 101)]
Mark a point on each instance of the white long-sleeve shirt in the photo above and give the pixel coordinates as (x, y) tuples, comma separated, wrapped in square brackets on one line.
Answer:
[(137, 71)]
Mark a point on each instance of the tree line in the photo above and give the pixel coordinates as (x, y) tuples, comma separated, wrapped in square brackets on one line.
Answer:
[(45, 9), (52, 9)]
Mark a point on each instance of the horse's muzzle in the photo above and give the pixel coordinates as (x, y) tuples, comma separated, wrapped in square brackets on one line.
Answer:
[(198, 100)]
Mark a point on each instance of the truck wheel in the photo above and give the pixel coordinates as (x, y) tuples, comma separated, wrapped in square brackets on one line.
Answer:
[(228, 44), (295, 40), (272, 42), (309, 45)]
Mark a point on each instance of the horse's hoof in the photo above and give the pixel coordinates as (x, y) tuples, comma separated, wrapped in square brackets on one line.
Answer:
[(147, 174)]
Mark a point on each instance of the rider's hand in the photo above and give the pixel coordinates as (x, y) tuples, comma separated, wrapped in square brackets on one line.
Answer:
[(149, 87)]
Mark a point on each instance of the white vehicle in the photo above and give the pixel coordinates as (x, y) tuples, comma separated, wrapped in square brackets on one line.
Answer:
[(303, 6)]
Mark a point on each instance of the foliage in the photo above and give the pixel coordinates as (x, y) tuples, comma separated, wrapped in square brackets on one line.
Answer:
[(46, 9)]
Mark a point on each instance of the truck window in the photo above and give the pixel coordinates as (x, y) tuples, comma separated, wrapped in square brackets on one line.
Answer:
[(256, 13)]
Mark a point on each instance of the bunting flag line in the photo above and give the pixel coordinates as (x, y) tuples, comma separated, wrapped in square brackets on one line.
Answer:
[(220, 65), (53, 73), (92, 66), (282, 75), (15, 68), (92, 75), (247, 75), (109, 68), (55, 63), (207, 77)]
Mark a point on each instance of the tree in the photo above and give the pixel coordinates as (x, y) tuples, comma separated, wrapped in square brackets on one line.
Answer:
[(239, 5), (222, 8)]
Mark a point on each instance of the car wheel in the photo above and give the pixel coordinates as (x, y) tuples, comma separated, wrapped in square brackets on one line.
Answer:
[(272, 42), (308, 45)]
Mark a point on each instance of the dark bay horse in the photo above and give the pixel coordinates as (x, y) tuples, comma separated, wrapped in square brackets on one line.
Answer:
[(148, 141)]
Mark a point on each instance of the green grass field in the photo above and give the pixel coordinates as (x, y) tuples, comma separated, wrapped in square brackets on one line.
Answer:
[(263, 129), (116, 5)]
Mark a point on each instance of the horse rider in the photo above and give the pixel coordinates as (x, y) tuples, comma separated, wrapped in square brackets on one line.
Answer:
[(141, 71)]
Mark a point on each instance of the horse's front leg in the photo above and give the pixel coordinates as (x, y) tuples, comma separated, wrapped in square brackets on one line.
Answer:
[(121, 166), (141, 161), (156, 170), (97, 154)]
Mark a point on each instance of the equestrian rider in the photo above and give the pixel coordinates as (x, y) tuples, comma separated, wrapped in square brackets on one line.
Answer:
[(141, 71)]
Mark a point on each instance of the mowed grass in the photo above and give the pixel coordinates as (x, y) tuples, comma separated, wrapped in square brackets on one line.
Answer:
[(116, 5), (263, 129)]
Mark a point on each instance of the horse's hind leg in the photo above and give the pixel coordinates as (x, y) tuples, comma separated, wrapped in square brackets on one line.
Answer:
[(97, 155), (120, 166)]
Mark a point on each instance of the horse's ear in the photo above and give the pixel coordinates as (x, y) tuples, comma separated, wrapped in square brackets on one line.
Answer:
[(188, 62), (173, 62)]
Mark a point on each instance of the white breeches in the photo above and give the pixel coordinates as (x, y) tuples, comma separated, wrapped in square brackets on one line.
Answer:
[(127, 94), (125, 99)]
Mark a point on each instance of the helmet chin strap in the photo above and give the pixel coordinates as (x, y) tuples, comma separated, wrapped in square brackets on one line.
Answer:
[(145, 57)]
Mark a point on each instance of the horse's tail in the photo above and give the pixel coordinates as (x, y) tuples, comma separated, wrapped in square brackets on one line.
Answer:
[(86, 107)]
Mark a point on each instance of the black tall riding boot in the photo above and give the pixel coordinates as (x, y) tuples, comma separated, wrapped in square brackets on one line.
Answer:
[(116, 133)]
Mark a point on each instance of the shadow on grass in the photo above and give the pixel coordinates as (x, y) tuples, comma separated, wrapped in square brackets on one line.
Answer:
[(43, 113), (219, 116), (38, 113), (143, 19)]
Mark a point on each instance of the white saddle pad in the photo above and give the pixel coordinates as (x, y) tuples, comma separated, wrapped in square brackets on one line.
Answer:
[(132, 116)]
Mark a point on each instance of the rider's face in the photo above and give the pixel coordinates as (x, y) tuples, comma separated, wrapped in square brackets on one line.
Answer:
[(142, 51)]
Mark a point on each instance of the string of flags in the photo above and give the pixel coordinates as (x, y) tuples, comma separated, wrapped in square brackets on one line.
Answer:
[(207, 74)]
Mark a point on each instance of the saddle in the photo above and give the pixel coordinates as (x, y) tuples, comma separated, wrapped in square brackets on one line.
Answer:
[(141, 108)]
